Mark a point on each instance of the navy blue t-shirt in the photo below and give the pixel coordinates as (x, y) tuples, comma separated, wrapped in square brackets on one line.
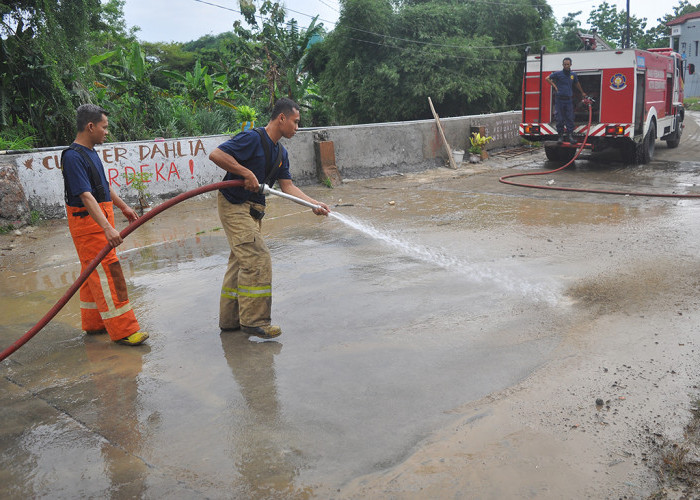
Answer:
[(565, 83), (247, 149), (76, 172)]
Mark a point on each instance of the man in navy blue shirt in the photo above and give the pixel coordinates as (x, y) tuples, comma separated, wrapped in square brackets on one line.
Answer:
[(563, 82), (246, 293), (90, 201)]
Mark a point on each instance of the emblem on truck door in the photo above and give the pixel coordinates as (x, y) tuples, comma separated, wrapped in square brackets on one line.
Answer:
[(618, 81)]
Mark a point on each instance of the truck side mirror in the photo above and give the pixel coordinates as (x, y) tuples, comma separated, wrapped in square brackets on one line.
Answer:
[(691, 69)]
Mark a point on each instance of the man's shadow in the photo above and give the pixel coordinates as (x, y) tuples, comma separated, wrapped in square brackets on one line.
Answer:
[(262, 453), (114, 372)]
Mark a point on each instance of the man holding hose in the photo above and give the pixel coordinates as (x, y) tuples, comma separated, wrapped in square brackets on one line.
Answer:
[(256, 157), (104, 302)]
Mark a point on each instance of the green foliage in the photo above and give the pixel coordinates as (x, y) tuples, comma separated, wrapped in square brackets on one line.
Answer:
[(692, 103), (8, 143), (41, 50), (139, 182), (566, 34), (478, 142), (35, 217), (658, 36), (246, 114), (282, 48), (380, 63), (612, 26), (459, 54)]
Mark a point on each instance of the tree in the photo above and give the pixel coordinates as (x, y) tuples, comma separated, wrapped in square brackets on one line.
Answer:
[(566, 33), (659, 35), (280, 49), (612, 26), (384, 59), (43, 46)]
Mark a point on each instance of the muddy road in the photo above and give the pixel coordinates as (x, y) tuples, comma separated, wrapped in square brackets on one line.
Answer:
[(448, 337)]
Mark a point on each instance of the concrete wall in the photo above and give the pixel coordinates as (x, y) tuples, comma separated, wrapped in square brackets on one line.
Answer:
[(179, 165)]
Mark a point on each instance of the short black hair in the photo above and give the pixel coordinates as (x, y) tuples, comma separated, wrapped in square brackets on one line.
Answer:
[(283, 105), (89, 113), (567, 59)]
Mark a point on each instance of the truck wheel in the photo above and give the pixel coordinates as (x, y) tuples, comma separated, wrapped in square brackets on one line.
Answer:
[(675, 140), (629, 152), (567, 154), (648, 145), (552, 153)]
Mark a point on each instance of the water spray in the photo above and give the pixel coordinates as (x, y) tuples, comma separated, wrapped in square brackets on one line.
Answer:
[(436, 258)]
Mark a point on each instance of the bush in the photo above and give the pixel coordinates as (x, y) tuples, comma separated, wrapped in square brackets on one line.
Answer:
[(20, 136), (692, 103), (211, 122)]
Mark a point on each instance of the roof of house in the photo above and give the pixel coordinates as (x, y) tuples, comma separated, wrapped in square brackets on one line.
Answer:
[(684, 18)]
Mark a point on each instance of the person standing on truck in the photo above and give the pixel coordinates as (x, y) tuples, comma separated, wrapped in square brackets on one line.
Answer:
[(563, 82)]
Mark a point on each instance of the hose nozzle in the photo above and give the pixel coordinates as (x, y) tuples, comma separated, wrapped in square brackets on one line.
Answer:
[(265, 189)]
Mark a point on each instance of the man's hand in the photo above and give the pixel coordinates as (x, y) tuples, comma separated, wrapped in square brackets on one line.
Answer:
[(229, 164), (250, 182), (113, 237), (322, 209), (129, 213)]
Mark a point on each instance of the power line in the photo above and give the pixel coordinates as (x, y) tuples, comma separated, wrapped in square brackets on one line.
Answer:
[(441, 45), (382, 44), (329, 5)]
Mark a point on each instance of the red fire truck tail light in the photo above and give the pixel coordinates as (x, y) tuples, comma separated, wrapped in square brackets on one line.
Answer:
[(614, 130), (532, 129)]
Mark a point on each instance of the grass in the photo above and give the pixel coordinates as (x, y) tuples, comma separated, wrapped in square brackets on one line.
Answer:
[(34, 218), (692, 103), (677, 465), (17, 143)]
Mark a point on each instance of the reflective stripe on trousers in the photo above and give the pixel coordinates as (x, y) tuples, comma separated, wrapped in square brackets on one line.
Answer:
[(246, 292)]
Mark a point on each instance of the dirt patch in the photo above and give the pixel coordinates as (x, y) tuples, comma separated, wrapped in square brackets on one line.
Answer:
[(640, 286)]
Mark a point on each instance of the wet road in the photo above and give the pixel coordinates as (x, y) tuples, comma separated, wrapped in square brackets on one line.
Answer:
[(440, 289)]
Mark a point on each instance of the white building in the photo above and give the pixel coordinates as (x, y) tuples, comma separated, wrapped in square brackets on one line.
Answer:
[(685, 39)]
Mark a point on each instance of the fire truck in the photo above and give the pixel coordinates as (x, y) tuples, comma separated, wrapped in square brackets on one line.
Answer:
[(637, 98)]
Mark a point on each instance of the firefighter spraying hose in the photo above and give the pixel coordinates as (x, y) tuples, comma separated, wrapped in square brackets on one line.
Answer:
[(124, 233)]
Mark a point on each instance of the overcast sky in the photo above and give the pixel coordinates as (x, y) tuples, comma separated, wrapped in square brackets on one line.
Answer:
[(186, 20)]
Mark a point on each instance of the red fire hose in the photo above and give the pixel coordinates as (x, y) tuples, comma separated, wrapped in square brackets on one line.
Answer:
[(103, 253), (584, 190)]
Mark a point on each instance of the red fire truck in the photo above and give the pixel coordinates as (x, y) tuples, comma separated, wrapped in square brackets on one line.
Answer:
[(637, 99)]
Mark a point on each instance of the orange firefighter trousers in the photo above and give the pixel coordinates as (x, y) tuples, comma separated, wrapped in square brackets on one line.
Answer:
[(104, 301)]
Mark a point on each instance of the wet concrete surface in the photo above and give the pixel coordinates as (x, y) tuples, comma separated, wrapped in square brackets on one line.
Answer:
[(447, 340)]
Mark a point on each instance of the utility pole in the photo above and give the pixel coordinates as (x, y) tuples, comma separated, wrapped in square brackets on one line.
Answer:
[(627, 42)]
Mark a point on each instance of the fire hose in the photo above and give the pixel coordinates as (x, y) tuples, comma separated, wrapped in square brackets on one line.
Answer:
[(264, 189), (588, 102)]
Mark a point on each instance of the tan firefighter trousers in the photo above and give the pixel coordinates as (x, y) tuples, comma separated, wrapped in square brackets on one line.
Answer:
[(246, 293)]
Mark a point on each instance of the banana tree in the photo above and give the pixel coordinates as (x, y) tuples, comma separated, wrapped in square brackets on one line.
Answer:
[(202, 88)]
